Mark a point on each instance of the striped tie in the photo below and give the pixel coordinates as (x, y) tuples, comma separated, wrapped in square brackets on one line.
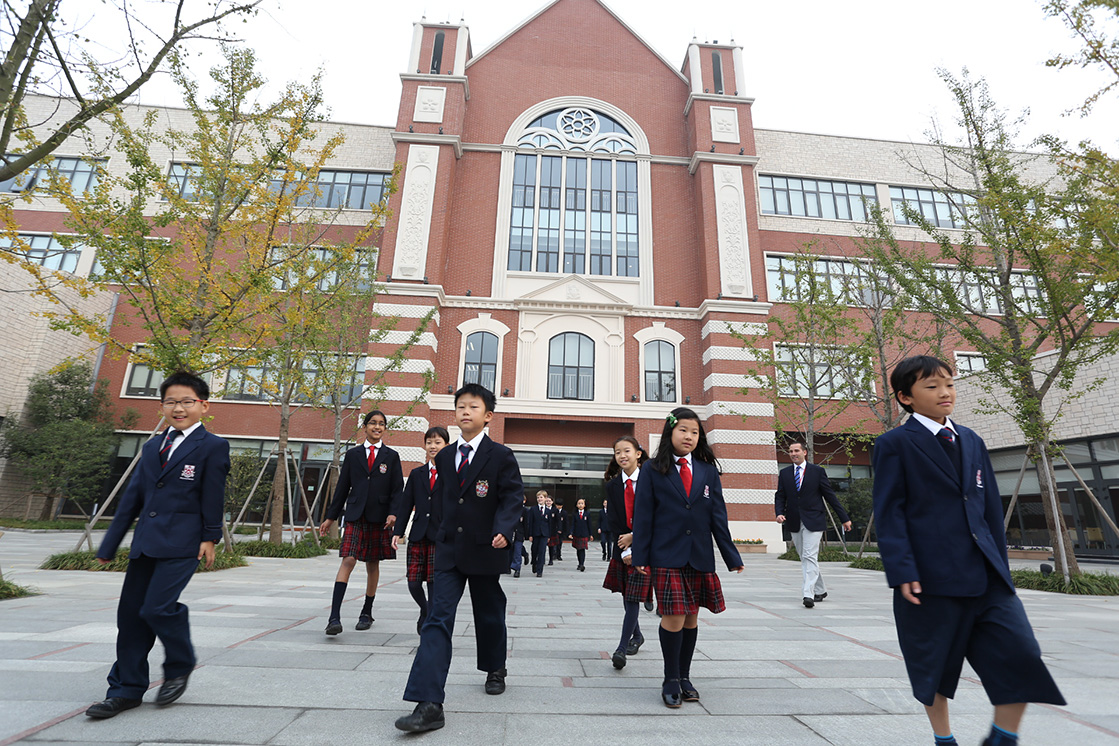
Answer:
[(464, 449), (799, 476), (165, 452), (947, 434)]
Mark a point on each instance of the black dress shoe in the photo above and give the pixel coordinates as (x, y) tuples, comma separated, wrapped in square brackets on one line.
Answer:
[(111, 707), (808, 602), (364, 622), (648, 606), (688, 693), (820, 597), (634, 645), (516, 573), (540, 574), (495, 682), (171, 690), (619, 659), (426, 716), (670, 693), (551, 562), (334, 627)]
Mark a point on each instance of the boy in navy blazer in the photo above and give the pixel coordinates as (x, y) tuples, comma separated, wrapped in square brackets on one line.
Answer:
[(940, 534), (480, 501), (177, 498), (422, 483), (369, 488), (538, 528)]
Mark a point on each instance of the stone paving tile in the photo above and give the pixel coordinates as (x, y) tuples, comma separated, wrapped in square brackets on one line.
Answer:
[(767, 668)]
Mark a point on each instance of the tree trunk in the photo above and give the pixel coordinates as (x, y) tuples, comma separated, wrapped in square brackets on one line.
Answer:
[(279, 481), (47, 513), (1065, 560)]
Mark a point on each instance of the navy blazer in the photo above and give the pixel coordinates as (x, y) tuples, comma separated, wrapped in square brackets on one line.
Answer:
[(580, 527), (604, 519), (488, 503), (806, 506), (179, 505), (356, 483), (538, 525), (932, 528), (671, 529), (616, 506), (417, 495)]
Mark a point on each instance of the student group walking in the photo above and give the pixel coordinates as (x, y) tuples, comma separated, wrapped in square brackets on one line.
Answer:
[(468, 523)]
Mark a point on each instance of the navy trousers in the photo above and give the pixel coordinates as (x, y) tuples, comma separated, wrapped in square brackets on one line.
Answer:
[(539, 552), (428, 679), (149, 608), (515, 563)]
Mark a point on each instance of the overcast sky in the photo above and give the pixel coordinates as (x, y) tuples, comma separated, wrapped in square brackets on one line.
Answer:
[(863, 68)]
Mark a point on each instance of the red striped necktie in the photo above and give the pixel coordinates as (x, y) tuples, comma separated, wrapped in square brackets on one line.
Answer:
[(165, 452), (685, 475)]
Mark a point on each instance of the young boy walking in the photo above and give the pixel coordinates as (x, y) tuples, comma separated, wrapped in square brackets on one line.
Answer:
[(480, 498), (940, 535), (177, 498)]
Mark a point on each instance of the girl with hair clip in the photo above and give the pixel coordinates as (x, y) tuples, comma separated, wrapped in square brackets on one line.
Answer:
[(621, 483), (678, 509)]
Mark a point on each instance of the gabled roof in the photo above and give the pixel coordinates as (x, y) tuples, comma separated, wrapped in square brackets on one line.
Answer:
[(605, 7)]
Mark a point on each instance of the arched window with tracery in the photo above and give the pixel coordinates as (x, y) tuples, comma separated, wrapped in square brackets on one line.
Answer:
[(575, 205)]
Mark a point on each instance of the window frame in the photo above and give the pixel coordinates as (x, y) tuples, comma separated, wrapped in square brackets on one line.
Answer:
[(580, 369)]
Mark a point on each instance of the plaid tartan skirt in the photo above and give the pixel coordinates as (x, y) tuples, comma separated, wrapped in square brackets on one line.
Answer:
[(554, 540), (683, 590), (579, 542), (368, 542), (622, 578), (421, 561)]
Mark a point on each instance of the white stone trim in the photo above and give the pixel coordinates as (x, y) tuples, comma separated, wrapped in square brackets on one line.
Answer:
[(407, 365), (409, 425), (743, 437), (414, 53), (724, 124), (483, 322), (738, 354), (748, 466), (396, 337), (420, 174), (462, 43), (695, 68), (403, 310), (733, 238), (721, 326), (724, 380), (410, 453), (748, 497), (657, 331), (739, 72), (392, 393), (536, 331), (430, 101)]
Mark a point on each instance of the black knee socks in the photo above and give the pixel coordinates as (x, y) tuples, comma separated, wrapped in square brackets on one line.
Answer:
[(416, 588), (367, 607), (582, 555), (629, 623), (336, 602), (687, 649), (670, 649)]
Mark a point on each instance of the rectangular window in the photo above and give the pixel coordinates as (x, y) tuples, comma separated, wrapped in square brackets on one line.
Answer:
[(143, 380), (248, 383), (601, 217), (548, 219), (940, 209), (627, 219), (524, 201), (847, 280), (820, 372), (81, 173), (816, 198), (970, 362), (351, 190), (183, 180), (317, 382), (575, 217), (45, 251)]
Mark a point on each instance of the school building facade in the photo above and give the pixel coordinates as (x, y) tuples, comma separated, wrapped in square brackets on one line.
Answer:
[(591, 223)]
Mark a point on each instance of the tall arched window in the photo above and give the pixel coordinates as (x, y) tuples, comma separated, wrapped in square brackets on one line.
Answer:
[(571, 367), (480, 364), (579, 200), (660, 371)]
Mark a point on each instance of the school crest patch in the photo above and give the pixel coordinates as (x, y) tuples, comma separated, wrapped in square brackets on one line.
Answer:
[(481, 488), (188, 472), (979, 478), (384, 468), (707, 491)]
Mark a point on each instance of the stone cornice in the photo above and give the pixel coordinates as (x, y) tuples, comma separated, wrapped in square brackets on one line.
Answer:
[(731, 159), (426, 139), (715, 98)]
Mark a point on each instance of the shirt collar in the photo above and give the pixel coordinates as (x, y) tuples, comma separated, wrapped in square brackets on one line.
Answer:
[(933, 426), (676, 460), (190, 429), (472, 443), (631, 477), (369, 444)]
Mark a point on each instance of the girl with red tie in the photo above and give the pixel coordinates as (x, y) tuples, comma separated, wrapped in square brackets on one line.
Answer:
[(678, 508), (621, 484), (580, 532)]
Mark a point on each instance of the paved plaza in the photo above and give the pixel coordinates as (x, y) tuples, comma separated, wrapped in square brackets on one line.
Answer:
[(769, 671)]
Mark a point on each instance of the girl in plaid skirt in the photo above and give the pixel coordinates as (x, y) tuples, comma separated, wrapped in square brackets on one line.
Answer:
[(677, 510), (621, 483)]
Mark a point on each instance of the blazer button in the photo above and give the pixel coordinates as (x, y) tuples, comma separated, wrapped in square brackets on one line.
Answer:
[(689, 507), (151, 514), (460, 529), (159, 484), (427, 515), (688, 532), (975, 537), (461, 501)]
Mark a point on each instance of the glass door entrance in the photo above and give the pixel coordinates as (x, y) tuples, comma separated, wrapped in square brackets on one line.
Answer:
[(1090, 534)]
